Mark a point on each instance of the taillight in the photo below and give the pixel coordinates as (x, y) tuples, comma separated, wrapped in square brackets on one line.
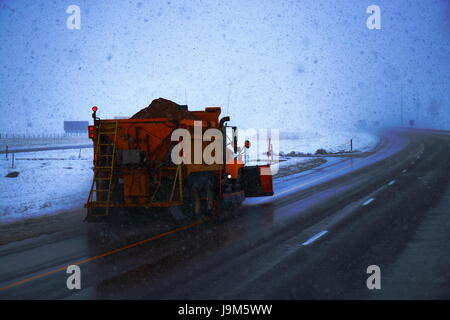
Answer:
[(91, 130)]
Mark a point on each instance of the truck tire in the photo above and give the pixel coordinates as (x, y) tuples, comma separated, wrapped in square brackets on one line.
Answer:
[(210, 194), (192, 199), (199, 196), (209, 200)]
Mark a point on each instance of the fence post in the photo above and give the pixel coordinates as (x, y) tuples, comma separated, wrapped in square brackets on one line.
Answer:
[(271, 152), (6, 152), (351, 145), (12, 159)]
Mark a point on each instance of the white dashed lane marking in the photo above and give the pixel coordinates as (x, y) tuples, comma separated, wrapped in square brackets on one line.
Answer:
[(368, 201), (314, 238)]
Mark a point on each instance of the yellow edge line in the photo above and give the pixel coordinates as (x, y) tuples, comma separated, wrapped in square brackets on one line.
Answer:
[(14, 284)]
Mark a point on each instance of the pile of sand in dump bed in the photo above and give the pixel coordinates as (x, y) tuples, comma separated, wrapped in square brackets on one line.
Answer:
[(163, 108)]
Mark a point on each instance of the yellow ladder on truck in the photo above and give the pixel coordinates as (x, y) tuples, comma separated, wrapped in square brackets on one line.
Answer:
[(103, 170)]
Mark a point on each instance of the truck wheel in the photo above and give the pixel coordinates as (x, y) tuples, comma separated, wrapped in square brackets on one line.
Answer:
[(193, 199), (199, 196), (209, 201), (208, 194), (197, 203)]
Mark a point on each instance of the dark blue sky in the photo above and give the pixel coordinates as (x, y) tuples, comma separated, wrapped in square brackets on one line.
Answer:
[(292, 65)]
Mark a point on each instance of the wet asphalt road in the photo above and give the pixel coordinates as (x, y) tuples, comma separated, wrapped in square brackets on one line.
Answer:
[(313, 240)]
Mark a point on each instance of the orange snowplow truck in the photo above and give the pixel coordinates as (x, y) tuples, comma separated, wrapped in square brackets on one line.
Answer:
[(134, 163)]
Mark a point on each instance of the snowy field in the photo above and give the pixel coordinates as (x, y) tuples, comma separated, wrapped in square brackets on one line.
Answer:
[(48, 182), (333, 142), (54, 181), (309, 143)]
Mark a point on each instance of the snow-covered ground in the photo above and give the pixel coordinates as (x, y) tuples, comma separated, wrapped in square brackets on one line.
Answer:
[(48, 182), (332, 142), (59, 180), (309, 142)]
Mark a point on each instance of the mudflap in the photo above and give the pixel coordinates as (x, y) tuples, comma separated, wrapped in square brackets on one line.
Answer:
[(256, 181)]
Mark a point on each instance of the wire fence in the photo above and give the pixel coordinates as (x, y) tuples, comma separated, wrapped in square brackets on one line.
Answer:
[(4, 136), (20, 140)]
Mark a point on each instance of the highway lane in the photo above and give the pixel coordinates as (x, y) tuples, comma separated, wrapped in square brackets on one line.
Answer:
[(405, 231), (218, 258)]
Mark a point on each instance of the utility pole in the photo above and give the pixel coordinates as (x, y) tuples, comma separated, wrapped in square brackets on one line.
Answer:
[(228, 100), (401, 106), (417, 104)]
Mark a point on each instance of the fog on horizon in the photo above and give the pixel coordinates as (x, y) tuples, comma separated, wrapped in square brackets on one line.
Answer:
[(310, 65)]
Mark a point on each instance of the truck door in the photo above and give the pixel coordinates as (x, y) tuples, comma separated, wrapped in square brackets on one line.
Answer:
[(256, 181)]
